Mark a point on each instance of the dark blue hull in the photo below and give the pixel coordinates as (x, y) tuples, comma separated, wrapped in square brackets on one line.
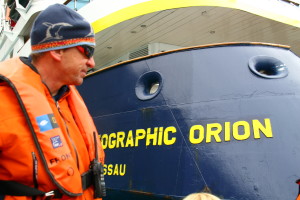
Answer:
[(223, 118)]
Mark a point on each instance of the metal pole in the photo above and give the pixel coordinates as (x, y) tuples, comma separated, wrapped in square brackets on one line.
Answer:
[(75, 5)]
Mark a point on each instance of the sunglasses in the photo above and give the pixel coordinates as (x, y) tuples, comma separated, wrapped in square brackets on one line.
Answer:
[(88, 51)]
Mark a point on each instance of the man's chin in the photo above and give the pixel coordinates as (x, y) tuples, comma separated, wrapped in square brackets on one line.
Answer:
[(78, 82)]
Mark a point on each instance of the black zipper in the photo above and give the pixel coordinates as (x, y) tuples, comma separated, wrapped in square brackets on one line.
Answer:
[(35, 169), (70, 138), (65, 119), (35, 172)]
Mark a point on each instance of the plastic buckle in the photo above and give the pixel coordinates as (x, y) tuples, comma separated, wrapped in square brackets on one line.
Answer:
[(48, 194)]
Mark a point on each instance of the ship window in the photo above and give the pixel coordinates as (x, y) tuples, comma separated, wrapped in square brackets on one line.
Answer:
[(148, 85), (268, 67)]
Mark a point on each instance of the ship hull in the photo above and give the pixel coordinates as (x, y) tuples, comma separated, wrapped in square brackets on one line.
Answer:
[(221, 118)]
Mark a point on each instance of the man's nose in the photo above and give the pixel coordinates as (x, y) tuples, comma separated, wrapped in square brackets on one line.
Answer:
[(91, 62)]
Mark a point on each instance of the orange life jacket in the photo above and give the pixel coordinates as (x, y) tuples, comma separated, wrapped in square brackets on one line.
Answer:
[(34, 99)]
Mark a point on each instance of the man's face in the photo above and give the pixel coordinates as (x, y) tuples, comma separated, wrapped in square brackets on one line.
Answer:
[(75, 65)]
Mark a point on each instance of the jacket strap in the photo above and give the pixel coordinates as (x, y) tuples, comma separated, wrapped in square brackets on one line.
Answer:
[(87, 179), (17, 189)]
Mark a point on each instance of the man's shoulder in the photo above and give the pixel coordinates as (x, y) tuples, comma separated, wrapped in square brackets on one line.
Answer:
[(6, 67), (10, 64), (10, 61)]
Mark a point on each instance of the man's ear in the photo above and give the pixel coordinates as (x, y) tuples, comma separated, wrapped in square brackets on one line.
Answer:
[(56, 54)]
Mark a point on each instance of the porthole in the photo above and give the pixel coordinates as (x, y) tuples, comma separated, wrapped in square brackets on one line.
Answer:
[(148, 85), (268, 67)]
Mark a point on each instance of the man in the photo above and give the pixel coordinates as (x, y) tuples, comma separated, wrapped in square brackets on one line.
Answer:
[(49, 146)]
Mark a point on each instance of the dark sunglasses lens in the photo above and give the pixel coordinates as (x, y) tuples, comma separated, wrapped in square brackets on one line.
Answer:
[(89, 51)]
